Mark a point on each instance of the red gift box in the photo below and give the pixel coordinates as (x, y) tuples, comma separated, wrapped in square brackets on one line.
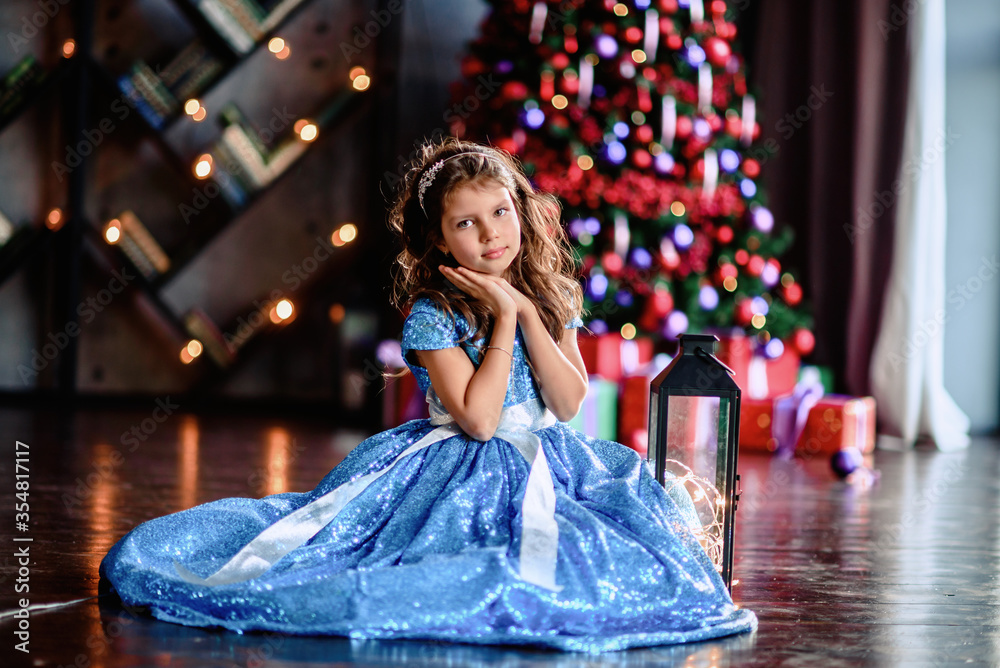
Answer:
[(758, 376), (612, 356), (633, 413), (837, 422), (402, 401), (755, 425)]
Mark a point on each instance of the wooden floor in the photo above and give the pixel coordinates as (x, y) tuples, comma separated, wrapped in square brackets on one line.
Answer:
[(904, 574)]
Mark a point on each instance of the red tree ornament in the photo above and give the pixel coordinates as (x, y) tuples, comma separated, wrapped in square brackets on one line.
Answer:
[(717, 51), (804, 341)]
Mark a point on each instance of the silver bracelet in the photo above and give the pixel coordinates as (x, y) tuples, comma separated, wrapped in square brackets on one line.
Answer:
[(503, 349)]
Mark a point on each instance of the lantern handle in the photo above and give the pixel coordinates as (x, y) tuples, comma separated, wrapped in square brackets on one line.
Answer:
[(701, 352)]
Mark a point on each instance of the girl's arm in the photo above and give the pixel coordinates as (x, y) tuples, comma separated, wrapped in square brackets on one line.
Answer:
[(559, 368), (474, 397)]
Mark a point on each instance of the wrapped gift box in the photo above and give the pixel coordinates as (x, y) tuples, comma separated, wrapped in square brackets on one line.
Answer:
[(758, 376), (837, 422), (633, 413), (755, 425), (598, 415), (611, 356), (402, 401), (821, 374), (633, 403)]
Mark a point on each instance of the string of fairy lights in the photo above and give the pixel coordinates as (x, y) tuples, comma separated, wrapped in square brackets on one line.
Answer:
[(708, 503)]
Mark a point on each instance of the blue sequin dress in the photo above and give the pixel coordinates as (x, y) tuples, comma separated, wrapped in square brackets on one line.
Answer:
[(540, 536)]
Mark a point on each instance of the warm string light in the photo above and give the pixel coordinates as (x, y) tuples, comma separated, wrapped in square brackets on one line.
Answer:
[(113, 231), (360, 79), (344, 235), (54, 220), (704, 494), (203, 166), (195, 110), (337, 313), (282, 311), (191, 351), (306, 130), (279, 48)]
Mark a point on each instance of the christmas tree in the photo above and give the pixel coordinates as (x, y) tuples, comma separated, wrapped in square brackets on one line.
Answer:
[(637, 116)]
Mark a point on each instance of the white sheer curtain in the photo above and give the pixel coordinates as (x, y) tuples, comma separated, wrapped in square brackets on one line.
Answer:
[(907, 364)]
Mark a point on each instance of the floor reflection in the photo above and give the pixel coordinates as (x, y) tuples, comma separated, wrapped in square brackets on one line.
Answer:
[(906, 573), (133, 638)]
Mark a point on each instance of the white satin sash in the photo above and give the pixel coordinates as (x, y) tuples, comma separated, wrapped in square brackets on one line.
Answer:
[(539, 532)]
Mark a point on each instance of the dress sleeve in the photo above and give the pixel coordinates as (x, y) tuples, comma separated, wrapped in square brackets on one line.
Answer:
[(575, 323), (429, 328)]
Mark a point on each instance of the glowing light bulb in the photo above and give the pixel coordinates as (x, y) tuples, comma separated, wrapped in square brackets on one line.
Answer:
[(585, 162), (348, 233), (191, 107), (276, 45), (283, 311), (113, 231), (337, 313), (194, 348), (628, 331), (54, 220), (559, 101), (362, 82), (309, 132), (68, 48), (203, 166)]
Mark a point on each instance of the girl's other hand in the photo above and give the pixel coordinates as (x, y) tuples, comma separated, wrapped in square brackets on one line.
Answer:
[(524, 305), (485, 288)]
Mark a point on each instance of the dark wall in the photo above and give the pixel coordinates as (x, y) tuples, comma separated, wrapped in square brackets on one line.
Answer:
[(131, 344)]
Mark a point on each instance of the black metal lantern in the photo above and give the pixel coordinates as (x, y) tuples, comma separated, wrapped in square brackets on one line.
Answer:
[(694, 420)]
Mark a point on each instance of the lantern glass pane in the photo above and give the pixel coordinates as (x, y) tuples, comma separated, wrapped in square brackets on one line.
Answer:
[(698, 438)]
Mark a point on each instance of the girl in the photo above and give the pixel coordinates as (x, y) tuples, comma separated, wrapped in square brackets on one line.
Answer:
[(492, 522)]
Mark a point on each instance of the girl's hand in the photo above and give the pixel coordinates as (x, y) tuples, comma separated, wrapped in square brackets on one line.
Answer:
[(480, 286), (524, 305)]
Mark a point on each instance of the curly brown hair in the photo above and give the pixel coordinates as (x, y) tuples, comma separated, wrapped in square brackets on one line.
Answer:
[(544, 269)]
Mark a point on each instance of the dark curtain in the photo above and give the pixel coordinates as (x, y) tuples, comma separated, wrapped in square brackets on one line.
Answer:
[(831, 84)]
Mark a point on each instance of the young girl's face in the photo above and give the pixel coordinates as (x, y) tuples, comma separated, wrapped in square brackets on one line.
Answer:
[(481, 228)]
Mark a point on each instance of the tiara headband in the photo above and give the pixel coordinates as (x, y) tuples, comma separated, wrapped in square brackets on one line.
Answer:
[(428, 177)]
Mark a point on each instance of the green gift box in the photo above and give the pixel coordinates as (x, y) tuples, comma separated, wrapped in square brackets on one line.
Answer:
[(598, 416)]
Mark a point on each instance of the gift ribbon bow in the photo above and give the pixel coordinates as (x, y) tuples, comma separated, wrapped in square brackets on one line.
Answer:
[(539, 531)]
